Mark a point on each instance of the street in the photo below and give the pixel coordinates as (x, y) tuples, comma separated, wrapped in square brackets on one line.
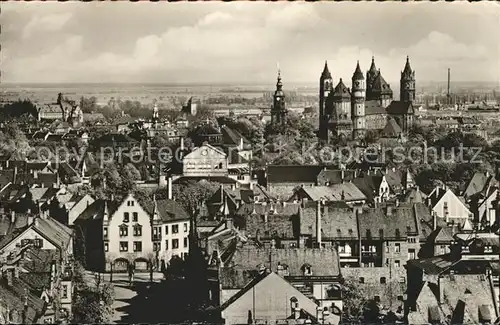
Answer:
[(129, 300)]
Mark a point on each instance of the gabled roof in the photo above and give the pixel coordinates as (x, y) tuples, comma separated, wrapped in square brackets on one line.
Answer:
[(336, 223), (479, 183), (293, 173), (16, 296), (368, 185), (323, 261), (392, 129), (381, 86), (334, 176), (341, 91), (337, 192), (379, 223), (169, 210), (434, 265), (414, 195), (232, 137)]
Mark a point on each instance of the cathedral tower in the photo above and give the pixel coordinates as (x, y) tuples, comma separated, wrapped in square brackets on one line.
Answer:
[(358, 103), (325, 88), (341, 118), (371, 75), (278, 111), (407, 84)]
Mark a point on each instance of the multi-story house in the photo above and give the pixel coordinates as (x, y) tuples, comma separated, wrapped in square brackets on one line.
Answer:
[(171, 228), (343, 192), (205, 161), (448, 206), (374, 186), (127, 234)]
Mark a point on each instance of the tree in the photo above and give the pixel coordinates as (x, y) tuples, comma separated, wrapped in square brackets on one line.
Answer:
[(91, 301), (191, 195), (130, 172), (353, 301)]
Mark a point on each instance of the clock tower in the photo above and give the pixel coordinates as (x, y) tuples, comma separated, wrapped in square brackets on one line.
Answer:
[(278, 111), (407, 84), (358, 104)]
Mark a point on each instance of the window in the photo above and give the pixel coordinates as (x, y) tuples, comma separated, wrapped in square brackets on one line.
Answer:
[(175, 229), (156, 247), (397, 248), (383, 280), (137, 246), (123, 231), (175, 243), (402, 279), (38, 243), (123, 246), (185, 242), (130, 203), (137, 230), (125, 217), (135, 216), (166, 244), (166, 230), (411, 253), (105, 232), (64, 291), (397, 264), (185, 227), (106, 247), (361, 280), (387, 248)]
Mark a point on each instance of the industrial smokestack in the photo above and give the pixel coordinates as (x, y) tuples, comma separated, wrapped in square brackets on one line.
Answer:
[(448, 94)]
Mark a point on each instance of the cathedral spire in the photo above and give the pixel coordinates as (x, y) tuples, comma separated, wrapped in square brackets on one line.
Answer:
[(373, 68), (358, 74), (326, 73), (407, 68)]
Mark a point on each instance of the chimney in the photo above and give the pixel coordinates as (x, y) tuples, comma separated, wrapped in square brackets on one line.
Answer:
[(318, 223), (169, 188), (35, 174), (241, 143), (266, 217), (397, 202), (251, 185), (182, 144), (355, 173), (13, 216), (434, 220), (342, 175)]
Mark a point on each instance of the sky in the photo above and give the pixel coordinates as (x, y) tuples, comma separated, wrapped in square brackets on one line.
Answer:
[(245, 42)]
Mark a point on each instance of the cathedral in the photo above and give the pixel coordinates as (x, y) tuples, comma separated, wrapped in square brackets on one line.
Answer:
[(368, 105)]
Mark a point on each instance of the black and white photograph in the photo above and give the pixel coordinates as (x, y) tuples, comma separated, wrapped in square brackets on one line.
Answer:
[(250, 163)]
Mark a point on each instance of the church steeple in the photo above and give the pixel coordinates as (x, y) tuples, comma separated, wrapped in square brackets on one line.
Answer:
[(407, 83), (325, 88), (373, 68), (278, 111), (326, 73), (358, 74)]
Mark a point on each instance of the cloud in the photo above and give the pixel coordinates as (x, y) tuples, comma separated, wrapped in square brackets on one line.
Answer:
[(51, 22), (240, 42)]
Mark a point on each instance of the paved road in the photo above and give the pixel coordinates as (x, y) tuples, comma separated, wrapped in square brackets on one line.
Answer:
[(126, 296)]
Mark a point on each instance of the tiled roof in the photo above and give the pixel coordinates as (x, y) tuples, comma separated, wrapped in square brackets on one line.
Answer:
[(54, 231), (334, 176), (336, 223), (381, 86), (323, 262), (217, 179), (414, 195), (170, 210), (368, 184), (124, 120), (337, 192), (15, 297), (293, 173), (373, 107), (277, 225), (478, 183), (232, 137), (377, 222), (392, 128), (341, 91), (397, 107), (287, 209), (434, 265)]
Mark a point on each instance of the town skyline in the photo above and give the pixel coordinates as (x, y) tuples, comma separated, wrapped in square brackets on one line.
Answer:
[(228, 43)]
